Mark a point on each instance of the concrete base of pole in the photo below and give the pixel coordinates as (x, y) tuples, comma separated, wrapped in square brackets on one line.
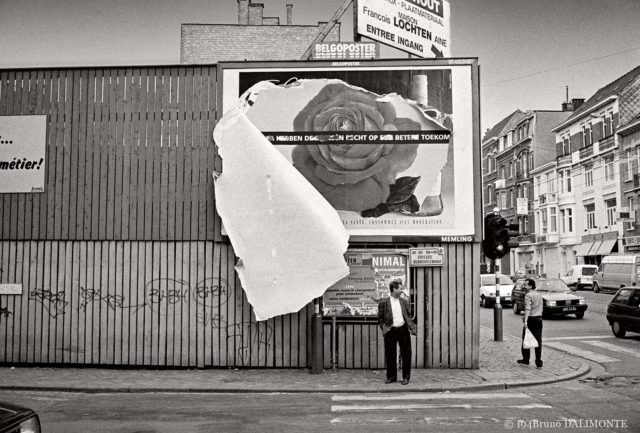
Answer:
[(316, 344)]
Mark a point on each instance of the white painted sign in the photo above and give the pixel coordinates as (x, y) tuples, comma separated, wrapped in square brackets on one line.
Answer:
[(522, 206), (22, 153), (426, 256), (419, 27), (10, 289)]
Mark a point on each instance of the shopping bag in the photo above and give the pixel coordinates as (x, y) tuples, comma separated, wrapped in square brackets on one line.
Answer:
[(529, 341)]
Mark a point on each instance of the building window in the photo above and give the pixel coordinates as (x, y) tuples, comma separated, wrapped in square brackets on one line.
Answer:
[(543, 222), (502, 172), (610, 205), (511, 170), (551, 183), (566, 218), (568, 177), (553, 219), (512, 201), (525, 224), (525, 190), (588, 176), (529, 162), (608, 123), (590, 213), (566, 146), (608, 168), (632, 212)]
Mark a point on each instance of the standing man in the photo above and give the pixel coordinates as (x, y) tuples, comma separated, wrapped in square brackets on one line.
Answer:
[(532, 320), (396, 324)]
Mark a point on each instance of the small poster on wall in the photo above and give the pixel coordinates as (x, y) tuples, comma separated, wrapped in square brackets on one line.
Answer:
[(22, 153)]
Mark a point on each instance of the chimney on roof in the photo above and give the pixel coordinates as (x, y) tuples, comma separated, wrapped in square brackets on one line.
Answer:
[(289, 14), (243, 12), (573, 105), (256, 12)]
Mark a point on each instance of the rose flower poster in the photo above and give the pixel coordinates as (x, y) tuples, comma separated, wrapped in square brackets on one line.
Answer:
[(389, 145)]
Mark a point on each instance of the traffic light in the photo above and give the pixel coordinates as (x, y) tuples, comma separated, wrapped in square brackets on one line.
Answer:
[(497, 235), (504, 233)]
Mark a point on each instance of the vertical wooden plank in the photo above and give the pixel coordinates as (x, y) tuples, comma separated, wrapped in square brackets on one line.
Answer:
[(29, 330), (97, 194), (81, 271), (181, 354), (7, 302), (157, 158), (7, 109), (61, 207), (89, 305), (463, 263), (208, 274), (164, 309), (475, 308), (134, 151), (69, 340), (37, 94), (80, 143), (51, 90), (72, 133), (122, 281), (127, 76), (188, 157), (103, 350), (41, 325), (51, 292), (435, 288), (196, 313), (17, 225), (156, 310), (89, 158), (146, 137), (144, 273), (118, 151), (180, 153), (203, 343), (165, 142), (111, 174)]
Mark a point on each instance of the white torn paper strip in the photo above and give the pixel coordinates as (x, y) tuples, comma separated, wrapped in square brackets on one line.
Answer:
[(289, 239)]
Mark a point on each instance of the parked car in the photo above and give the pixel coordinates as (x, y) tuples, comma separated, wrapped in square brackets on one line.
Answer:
[(16, 419), (488, 289), (522, 273), (623, 312), (617, 271), (580, 276), (556, 296)]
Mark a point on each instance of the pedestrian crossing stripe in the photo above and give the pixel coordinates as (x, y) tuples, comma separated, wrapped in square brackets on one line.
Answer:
[(587, 354), (412, 406), (613, 347), (427, 396)]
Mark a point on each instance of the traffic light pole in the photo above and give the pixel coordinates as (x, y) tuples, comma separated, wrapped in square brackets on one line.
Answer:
[(497, 308)]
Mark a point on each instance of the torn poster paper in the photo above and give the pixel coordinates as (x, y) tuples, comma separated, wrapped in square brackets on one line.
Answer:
[(289, 240), (378, 159)]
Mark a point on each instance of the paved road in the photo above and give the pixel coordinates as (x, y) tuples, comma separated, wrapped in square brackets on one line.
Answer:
[(590, 338), (544, 408)]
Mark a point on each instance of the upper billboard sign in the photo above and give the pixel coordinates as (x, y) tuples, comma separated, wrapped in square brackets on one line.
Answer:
[(346, 51), (419, 27), (391, 145)]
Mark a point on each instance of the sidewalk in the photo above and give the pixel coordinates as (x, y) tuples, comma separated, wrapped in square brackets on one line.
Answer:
[(498, 370)]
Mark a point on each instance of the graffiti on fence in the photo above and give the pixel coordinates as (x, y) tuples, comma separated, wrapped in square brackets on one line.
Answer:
[(54, 303), (92, 295), (4, 312), (248, 337)]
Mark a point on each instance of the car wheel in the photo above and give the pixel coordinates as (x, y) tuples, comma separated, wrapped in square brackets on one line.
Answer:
[(596, 287), (618, 330), (483, 302), (578, 287), (516, 309), (579, 315)]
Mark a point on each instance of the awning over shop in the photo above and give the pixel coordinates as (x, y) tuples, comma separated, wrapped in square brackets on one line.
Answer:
[(583, 249), (605, 247), (594, 248)]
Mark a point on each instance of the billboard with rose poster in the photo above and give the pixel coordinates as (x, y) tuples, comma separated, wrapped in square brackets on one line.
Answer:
[(391, 145)]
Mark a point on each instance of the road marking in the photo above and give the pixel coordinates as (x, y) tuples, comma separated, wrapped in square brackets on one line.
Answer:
[(593, 356), (579, 337), (377, 407), (423, 396), (614, 347)]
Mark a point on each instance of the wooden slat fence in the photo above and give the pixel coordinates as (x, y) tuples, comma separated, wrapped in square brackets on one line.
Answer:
[(120, 259)]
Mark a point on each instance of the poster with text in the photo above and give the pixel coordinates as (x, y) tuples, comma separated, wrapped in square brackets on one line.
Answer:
[(389, 144), (22, 153)]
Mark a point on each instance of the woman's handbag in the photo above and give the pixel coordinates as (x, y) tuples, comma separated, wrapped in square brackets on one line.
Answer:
[(529, 341)]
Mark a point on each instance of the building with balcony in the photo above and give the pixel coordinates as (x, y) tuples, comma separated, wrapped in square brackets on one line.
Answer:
[(592, 159), (515, 146)]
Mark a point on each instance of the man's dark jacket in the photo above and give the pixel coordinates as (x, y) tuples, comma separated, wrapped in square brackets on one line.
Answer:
[(385, 315)]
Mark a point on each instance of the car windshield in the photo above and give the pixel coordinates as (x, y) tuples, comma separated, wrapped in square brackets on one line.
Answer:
[(551, 286), (490, 280), (589, 271)]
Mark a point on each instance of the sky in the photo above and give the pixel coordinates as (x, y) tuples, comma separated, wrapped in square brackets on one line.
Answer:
[(529, 51)]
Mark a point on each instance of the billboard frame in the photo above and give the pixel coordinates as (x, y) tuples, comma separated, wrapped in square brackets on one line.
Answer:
[(474, 233)]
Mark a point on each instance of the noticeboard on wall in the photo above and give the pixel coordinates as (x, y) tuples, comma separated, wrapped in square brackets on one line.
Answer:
[(370, 272), (392, 145)]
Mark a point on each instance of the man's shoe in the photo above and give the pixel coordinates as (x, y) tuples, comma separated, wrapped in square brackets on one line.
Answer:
[(539, 364), (405, 381), (390, 380), (522, 361)]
